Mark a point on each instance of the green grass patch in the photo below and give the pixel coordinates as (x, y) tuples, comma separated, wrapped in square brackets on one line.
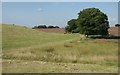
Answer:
[(19, 37)]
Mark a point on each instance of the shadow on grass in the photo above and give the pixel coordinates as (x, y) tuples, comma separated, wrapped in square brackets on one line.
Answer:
[(103, 37)]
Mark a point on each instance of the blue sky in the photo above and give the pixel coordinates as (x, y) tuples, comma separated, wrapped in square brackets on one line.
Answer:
[(60, 0), (52, 13)]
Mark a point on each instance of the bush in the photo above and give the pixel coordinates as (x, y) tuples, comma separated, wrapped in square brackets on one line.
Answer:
[(40, 26), (51, 26), (57, 27)]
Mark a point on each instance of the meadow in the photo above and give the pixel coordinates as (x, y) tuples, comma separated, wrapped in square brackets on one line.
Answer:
[(28, 50)]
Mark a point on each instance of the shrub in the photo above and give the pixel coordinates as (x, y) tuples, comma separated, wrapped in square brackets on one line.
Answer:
[(57, 27), (40, 26), (51, 26)]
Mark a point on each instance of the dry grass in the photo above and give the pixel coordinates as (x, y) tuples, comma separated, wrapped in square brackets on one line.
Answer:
[(20, 66), (66, 52), (87, 52)]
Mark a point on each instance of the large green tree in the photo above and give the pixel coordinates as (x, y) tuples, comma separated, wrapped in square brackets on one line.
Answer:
[(92, 21)]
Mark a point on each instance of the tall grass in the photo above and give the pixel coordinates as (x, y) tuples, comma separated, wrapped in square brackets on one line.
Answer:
[(26, 44), (89, 52)]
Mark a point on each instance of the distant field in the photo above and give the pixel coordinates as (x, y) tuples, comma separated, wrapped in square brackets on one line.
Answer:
[(112, 30), (28, 50), (52, 30)]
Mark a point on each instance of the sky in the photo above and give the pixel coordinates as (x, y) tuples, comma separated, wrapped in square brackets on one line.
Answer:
[(52, 13), (60, 0)]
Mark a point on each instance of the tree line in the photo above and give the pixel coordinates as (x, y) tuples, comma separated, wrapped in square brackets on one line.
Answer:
[(44, 26)]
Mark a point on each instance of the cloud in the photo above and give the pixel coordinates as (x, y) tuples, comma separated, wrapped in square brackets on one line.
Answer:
[(40, 9)]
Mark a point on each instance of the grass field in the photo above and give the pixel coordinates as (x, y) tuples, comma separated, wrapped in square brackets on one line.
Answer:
[(26, 50)]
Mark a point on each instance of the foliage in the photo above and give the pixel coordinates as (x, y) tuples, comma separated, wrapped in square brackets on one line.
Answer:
[(57, 27), (53, 26), (44, 26), (71, 26), (40, 26), (91, 21), (50, 26)]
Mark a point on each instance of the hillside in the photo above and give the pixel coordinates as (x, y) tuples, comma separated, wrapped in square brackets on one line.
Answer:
[(28, 50), (18, 36)]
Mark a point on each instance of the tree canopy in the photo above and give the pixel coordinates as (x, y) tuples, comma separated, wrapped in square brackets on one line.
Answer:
[(44, 26), (90, 21), (53, 26), (71, 26)]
